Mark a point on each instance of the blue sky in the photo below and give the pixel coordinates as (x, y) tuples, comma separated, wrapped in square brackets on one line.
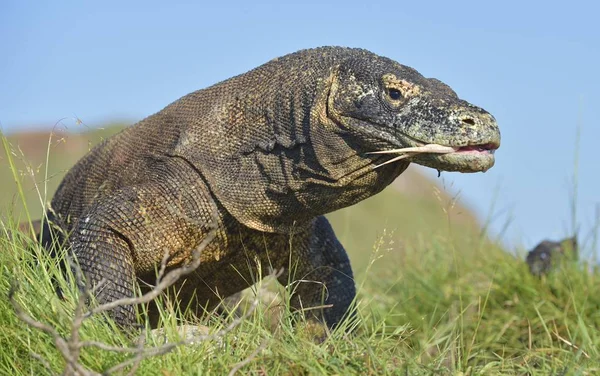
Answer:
[(534, 65)]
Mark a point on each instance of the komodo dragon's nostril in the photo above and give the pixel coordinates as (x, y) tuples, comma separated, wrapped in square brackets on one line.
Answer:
[(468, 121)]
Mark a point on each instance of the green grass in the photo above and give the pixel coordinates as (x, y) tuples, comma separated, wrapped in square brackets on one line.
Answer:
[(435, 297)]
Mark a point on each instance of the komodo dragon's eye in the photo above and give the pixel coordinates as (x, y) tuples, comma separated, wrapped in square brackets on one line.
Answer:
[(394, 94)]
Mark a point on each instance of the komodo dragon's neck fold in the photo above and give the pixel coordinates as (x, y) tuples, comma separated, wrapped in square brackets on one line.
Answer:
[(275, 157)]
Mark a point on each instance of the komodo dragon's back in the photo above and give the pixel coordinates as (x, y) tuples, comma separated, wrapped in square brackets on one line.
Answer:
[(261, 156)]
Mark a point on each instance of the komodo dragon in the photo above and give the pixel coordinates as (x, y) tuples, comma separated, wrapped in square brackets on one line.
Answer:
[(267, 153)]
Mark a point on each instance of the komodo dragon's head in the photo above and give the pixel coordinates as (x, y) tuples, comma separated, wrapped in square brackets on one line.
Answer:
[(395, 110), (305, 134)]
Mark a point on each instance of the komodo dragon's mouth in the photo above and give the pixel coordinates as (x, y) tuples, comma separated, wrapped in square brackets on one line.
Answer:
[(485, 148), (469, 158)]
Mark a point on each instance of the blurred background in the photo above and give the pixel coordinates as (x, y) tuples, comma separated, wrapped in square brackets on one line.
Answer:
[(76, 67)]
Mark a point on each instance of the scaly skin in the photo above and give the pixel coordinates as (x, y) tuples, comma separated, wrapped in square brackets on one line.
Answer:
[(269, 152)]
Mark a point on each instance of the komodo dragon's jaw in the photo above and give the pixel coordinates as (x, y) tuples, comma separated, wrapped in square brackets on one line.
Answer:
[(469, 130), (390, 106)]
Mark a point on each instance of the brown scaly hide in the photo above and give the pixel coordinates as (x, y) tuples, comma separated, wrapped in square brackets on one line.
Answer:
[(262, 156)]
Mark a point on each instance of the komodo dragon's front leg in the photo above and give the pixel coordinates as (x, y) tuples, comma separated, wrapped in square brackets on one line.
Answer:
[(320, 275), (111, 263), (127, 233)]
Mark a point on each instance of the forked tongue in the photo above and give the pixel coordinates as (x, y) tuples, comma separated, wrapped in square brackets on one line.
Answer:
[(409, 152)]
